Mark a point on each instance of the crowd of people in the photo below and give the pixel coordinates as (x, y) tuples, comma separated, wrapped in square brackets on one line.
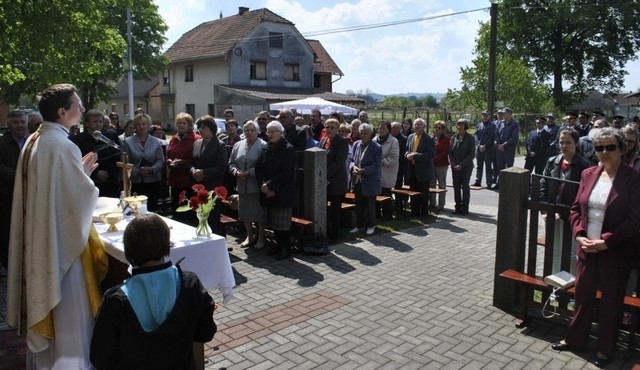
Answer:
[(259, 161)]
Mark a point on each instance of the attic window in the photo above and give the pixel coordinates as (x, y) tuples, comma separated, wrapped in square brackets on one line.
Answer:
[(292, 72), (258, 70), (188, 73), (275, 40)]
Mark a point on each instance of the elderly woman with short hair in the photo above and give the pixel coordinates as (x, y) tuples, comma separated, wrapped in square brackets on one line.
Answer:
[(275, 172), (366, 178), (242, 165), (145, 153), (389, 165)]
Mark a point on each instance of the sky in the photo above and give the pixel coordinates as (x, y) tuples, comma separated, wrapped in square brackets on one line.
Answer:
[(414, 57)]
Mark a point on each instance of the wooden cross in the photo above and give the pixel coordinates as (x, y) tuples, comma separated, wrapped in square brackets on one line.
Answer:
[(126, 173)]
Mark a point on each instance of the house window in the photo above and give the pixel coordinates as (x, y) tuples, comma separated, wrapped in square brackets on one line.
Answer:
[(212, 110), (258, 71), (292, 72), (165, 77), (275, 40), (188, 73), (125, 109), (191, 109)]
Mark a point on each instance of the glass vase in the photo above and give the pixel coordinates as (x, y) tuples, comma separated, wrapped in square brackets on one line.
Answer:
[(203, 230)]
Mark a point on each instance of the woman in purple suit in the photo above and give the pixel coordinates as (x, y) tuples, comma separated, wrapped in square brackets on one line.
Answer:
[(605, 219)]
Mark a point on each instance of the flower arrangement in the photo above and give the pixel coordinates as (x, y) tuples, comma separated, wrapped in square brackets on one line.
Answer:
[(202, 203)]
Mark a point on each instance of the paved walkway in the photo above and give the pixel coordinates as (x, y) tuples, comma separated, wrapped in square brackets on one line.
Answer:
[(417, 299)]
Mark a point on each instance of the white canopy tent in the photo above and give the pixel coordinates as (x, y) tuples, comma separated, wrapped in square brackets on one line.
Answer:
[(304, 106)]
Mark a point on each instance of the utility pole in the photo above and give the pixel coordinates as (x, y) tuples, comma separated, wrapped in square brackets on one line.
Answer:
[(491, 94)]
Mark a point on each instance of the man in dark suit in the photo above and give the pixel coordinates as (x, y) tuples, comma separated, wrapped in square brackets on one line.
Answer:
[(10, 145), (584, 126), (421, 149), (337, 180), (485, 151), (506, 141), (295, 135), (538, 142)]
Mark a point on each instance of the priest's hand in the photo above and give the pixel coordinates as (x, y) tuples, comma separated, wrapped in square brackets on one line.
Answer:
[(90, 163)]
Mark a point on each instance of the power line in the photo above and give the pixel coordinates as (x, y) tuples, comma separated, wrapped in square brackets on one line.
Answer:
[(335, 30), (387, 24)]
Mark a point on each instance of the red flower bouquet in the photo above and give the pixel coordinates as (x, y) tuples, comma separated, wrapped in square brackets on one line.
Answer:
[(202, 203)]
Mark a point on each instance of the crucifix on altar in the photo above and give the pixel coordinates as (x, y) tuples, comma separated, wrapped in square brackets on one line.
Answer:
[(126, 173)]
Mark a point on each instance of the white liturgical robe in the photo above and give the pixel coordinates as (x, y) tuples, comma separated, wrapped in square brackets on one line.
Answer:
[(51, 218)]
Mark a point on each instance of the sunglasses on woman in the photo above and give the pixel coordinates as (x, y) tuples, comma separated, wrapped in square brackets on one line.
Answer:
[(609, 148)]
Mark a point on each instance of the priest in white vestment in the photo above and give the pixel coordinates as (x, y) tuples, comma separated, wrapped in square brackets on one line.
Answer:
[(51, 277)]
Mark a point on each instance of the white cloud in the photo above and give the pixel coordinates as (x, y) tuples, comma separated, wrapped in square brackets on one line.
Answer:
[(422, 56)]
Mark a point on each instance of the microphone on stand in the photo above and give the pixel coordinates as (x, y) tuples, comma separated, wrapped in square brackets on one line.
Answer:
[(100, 137)]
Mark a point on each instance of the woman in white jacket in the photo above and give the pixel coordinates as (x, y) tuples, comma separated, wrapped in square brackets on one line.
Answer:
[(390, 163)]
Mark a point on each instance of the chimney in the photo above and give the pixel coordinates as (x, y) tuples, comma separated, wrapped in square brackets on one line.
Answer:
[(242, 10)]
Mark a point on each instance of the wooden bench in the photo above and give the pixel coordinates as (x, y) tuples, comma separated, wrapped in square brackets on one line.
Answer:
[(344, 206), (527, 282), (380, 199), (407, 192), (431, 190), (299, 224), (226, 220)]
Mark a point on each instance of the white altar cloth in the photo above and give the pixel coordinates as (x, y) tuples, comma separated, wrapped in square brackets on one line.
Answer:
[(208, 258)]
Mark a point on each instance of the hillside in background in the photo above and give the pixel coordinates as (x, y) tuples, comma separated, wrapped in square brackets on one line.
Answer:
[(380, 97)]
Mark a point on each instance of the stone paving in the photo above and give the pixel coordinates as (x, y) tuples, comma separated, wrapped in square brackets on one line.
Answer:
[(416, 299), (420, 298)]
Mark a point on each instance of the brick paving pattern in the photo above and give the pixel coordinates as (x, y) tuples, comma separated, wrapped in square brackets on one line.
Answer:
[(416, 299)]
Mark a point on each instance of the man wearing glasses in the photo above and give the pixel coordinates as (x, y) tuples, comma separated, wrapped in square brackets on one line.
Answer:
[(262, 120), (106, 175), (317, 125)]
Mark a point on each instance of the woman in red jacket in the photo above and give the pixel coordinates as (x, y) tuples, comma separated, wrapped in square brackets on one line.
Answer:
[(440, 163)]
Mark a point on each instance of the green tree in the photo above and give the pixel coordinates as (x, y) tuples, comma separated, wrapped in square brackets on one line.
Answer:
[(83, 43), (584, 42), (397, 102), (430, 101), (516, 85)]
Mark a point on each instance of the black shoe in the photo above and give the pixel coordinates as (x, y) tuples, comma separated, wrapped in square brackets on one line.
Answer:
[(602, 362), (272, 251), (464, 212), (283, 254), (477, 183), (559, 346)]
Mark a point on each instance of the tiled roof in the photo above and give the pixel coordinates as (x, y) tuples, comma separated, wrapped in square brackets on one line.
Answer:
[(277, 94), (140, 87), (216, 38), (324, 62), (622, 100)]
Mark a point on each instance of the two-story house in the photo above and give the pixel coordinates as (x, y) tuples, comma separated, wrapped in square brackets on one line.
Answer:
[(245, 61)]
